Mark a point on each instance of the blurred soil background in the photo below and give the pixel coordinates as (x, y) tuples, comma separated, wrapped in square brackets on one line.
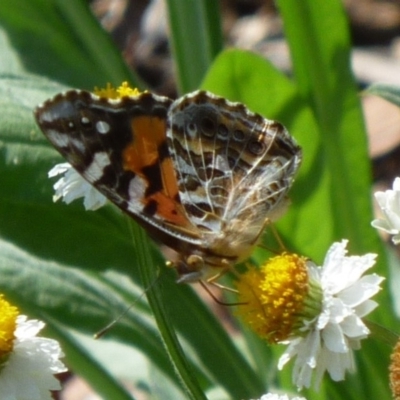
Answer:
[(140, 30)]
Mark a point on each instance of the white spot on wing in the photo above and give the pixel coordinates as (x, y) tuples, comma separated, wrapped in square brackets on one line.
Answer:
[(58, 139), (95, 170), (102, 127), (137, 187), (78, 145), (221, 163), (184, 167)]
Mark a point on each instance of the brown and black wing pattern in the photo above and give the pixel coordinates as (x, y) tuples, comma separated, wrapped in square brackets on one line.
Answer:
[(119, 146), (234, 167)]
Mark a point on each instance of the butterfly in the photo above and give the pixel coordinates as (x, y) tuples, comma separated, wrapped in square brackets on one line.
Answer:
[(201, 174)]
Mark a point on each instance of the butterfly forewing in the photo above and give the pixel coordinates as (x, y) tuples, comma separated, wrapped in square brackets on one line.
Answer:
[(119, 146)]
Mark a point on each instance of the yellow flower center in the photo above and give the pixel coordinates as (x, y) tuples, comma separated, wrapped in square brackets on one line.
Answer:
[(8, 317), (110, 92), (274, 296)]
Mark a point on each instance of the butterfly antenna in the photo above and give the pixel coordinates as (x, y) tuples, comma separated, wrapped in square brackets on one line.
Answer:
[(104, 330)]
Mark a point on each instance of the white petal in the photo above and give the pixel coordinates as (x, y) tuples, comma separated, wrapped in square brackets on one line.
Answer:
[(289, 352), (382, 198), (307, 355), (339, 271), (396, 184), (334, 257), (396, 239), (366, 287), (353, 327), (365, 308), (59, 169), (336, 310), (384, 225), (323, 319), (27, 329), (93, 199), (334, 339), (72, 186), (336, 364), (392, 215)]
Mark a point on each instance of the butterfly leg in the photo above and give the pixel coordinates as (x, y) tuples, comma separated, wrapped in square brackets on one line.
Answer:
[(212, 295)]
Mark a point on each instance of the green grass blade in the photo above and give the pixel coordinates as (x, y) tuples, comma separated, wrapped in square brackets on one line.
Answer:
[(214, 347), (176, 307), (196, 39), (155, 298), (96, 42), (319, 41)]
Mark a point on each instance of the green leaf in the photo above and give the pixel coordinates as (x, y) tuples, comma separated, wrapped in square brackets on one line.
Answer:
[(63, 41), (25, 160), (10, 60), (246, 77), (311, 225), (84, 300), (94, 242)]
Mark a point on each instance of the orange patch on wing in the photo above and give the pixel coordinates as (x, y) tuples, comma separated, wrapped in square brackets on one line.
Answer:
[(168, 207), (147, 134), (169, 210), (170, 184)]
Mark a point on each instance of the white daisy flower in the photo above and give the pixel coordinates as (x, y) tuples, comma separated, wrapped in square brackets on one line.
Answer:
[(329, 339), (27, 362), (389, 202), (274, 396), (72, 186), (317, 311)]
